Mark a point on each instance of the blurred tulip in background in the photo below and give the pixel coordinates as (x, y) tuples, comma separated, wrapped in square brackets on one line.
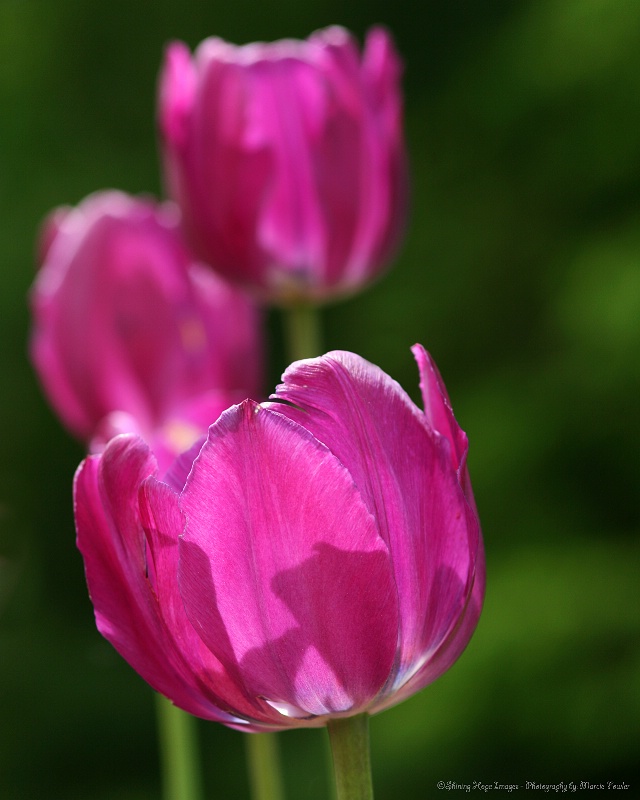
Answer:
[(130, 333), (288, 159)]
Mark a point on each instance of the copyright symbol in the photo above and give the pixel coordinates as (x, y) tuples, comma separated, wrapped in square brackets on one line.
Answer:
[(440, 784)]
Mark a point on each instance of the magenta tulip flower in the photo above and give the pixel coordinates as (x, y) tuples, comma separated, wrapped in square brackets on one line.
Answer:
[(318, 556), (288, 159), (130, 334)]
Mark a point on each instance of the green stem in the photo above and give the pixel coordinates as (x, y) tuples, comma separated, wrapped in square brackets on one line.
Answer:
[(178, 750), (263, 759), (349, 737), (302, 329)]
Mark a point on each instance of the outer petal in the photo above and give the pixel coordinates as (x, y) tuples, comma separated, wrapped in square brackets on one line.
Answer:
[(177, 92), (439, 414), (343, 164), (282, 570), (369, 105), (451, 648), (120, 577), (437, 406), (161, 518), (404, 472), (215, 174)]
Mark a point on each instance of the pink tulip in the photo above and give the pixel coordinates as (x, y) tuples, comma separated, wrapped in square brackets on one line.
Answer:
[(288, 159), (129, 333), (317, 556)]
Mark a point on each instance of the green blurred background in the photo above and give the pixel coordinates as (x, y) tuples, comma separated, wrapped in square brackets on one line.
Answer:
[(520, 273)]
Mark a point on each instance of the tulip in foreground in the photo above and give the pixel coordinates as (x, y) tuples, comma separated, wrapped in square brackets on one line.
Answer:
[(130, 334), (288, 159), (317, 557)]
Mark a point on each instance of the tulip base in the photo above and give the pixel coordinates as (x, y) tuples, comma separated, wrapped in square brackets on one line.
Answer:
[(349, 738)]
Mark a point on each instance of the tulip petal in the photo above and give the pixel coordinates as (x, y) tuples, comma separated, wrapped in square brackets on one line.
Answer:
[(439, 414), (369, 106), (120, 578), (437, 406), (220, 224), (290, 229), (451, 648), (403, 470), (177, 90), (162, 519), (282, 570)]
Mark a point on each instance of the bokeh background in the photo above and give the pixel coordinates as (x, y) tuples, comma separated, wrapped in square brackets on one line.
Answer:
[(520, 273)]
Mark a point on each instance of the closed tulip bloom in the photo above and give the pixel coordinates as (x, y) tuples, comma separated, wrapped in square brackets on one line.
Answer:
[(129, 333), (288, 159), (317, 556)]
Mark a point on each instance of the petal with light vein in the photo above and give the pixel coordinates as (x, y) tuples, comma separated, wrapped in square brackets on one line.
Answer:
[(163, 521), (404, 474), (282, 569)]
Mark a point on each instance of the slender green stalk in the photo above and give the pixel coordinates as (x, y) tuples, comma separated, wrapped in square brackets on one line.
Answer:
[(349, 737), (181, 778), (302, 329), (328, 766), (303, 337), (263, 760)]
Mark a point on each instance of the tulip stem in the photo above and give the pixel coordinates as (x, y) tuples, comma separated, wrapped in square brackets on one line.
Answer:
[(302, 329), (178, 750), (349, 737), (263, 759)]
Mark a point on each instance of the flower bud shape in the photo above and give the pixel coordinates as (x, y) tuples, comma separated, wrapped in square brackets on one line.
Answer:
[(287, 159), (129, 332), (316, 556)]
